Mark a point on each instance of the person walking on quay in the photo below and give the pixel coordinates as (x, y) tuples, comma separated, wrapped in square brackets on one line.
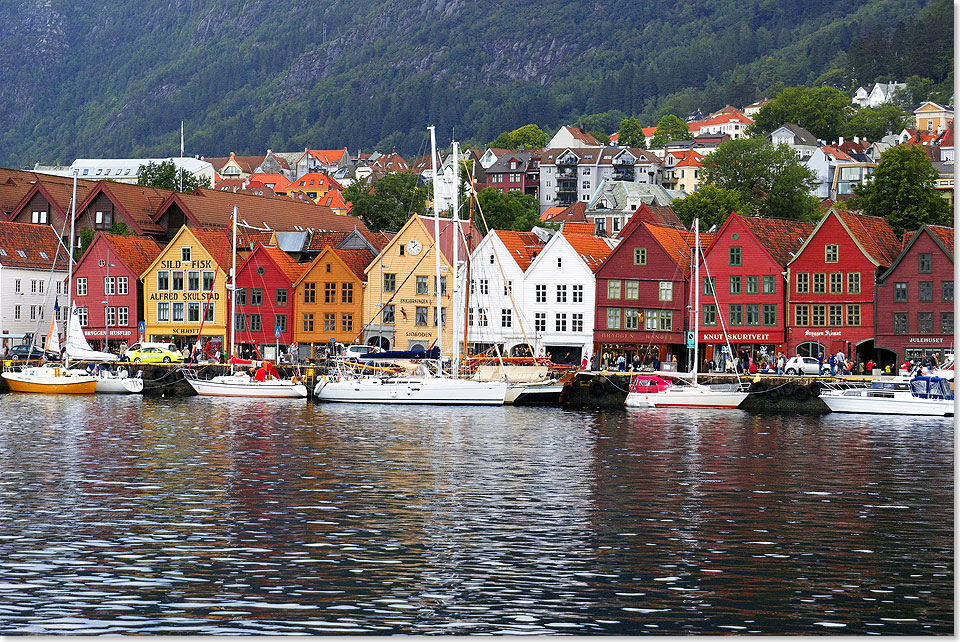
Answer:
[(621, 363), (832, 362), (781, 362), (656, 362), (820, 362)]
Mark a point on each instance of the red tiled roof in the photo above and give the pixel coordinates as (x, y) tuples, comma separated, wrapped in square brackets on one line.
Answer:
[(575, 213), (57, 190), (317, 180), (874, 235), (22, 243), (379, 239), (573, 227), (659, 214), (392, 162), (522, 246), (137, 252), (592, 249), (138, 202), (356, 260), (320, 240), (584, 137), (945, 234), (334, 200), (782, 238), (829, 150), (247, 163), (328, 156), (279, 181), (677, 243), (290, 268)]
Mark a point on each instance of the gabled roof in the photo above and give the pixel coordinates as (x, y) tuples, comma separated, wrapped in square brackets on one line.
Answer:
[(661, 215), (800, 135), (335, 201), (522, 246), (25, 245), (836, 153), (279, 182), (314, 180), (593, 250), (327, 156), (780, 238), (447, 234), (566, 213), (502, 164), (137, 252), (56, 190), (872, 235), (941, 235), (392, 162), (356, 260), (247, 164), (139, 203), (283, 262), (584, 137), (575, 227), (320, 240)]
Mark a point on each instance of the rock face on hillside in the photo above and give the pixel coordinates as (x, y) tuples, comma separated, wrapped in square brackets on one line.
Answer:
[(34, 37)]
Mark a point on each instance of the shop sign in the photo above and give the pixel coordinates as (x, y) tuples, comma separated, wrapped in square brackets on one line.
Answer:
[(739, 337), (925, 340), (102, 333), (821, 333)]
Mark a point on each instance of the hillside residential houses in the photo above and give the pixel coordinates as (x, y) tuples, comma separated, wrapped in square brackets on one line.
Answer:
[(882, 92), (572, 174), (617, 201)]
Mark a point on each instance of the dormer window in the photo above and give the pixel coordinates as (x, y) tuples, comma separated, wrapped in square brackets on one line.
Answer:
[(185, 254)]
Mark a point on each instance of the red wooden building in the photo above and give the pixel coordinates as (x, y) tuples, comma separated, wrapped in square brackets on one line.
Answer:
[(744, 266), (107, 288), (642, 292), (265, 300), (914, 305), (831, 285)]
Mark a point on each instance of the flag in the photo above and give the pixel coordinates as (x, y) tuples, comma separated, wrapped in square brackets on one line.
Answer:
[(56, 307)]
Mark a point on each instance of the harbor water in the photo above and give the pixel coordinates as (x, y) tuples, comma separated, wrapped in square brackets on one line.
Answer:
[(131, 515)]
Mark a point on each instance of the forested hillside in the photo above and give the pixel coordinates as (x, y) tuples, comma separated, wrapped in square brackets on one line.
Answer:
[(98, 78)]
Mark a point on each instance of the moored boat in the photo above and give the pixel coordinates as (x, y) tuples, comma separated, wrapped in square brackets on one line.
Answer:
[(923, 395), (50, 379)]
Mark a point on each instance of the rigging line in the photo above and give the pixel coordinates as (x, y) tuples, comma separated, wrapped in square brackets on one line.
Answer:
[(203, 315), (723, 326)]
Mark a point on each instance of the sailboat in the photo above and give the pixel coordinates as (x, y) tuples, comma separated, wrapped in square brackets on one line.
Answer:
[(682, 389), (108, 381), (240, 383), (428, 384)]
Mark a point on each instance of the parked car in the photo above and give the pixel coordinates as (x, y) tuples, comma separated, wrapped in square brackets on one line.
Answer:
[(23, 351), (355, 350), (137, 347), (155, 354), (802, 366)]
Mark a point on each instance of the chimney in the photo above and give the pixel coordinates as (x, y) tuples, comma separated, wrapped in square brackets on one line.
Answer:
[(840, 142)]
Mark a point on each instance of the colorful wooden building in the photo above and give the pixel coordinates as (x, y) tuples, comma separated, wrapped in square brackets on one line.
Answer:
[(914, 301)]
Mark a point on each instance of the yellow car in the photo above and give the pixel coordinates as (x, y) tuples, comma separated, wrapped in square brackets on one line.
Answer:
[(152, 354)]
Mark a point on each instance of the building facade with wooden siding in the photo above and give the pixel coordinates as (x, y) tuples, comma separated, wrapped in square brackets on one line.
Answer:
[(914, 305)]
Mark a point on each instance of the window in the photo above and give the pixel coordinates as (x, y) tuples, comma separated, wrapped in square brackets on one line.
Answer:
[(639, 256), (666, 290), (769, 284), (110, 314), (16, 312), (484, 286), (82, 316), (110, 285), (163, 280), (924, 322), (33, 286), (853, 314), (925, 263), (241, 296), (900, 292), (853, 283), (421, 318), (613, 288), (177, 312), (177, 281), (708, 314), (831, 253), (422, 287), (577, 293), (81, 286), (734, 285), (16, 285), (280, 321), (185, 254), (193, 312), (576, 322), (122, 287), (736, 314), (389, 282), (256, 296), (753, 285), (193, 281), (123, 316), (256, 323), (541, 293), (308, 322), (803, 282), (329, 322), (818, 315), (482, 319), (389, 314), (309, 292), (836, 315), (946, 323), (443, 285), (751, 314), (346, 292), (801, 315), (769, 314), (709, 285), (631, 289), (613, 318), (735, 256), (925, 291), (561, 294), (820, 283), (208, 281), (443, 315), (163, 312), (506, 318), (559, 261), (561, 322), (946, 291), (836, 283), (540, 322), (329, 292), (103, 220), (281, 296)]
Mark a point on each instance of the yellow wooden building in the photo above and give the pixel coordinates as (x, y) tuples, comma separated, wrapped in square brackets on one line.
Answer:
[(183, 290)]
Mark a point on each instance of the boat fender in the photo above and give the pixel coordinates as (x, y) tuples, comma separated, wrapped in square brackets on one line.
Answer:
[(815, 389), (757, 386), (801, 394), (786, 389), (294, 380), (596, 388), (773, 394)]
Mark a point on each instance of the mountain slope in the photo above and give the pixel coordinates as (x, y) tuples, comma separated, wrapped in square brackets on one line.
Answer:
[(101, 78)]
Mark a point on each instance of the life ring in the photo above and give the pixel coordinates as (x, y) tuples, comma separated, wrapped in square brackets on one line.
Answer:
[(801, 394), (786, 389)]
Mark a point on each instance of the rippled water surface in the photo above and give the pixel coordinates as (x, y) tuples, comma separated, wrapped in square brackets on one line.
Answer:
[(202, 516)]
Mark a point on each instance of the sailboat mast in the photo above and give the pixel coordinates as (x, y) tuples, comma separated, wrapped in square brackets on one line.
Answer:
[(436, 236), (466, 280), (696, 296), (233, 289), (73, 217), (455, 346)]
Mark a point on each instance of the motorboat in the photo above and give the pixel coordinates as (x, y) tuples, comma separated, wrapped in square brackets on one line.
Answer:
[(922, 395), (51, 378), (664, 390)]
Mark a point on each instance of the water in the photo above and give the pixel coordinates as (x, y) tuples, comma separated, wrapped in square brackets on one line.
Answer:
[(213, 516)]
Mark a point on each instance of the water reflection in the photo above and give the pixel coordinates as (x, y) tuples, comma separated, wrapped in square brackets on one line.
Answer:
[(221, 516)]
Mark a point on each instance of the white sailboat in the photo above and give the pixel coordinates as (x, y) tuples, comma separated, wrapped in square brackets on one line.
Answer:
[(241, 384), (428, 384), (108, 382), (685, 391)]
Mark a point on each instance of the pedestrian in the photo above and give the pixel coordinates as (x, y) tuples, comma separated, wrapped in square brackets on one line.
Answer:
[(819, 362), (584, 362), (656, 362), (781, 363), (832, 362), (621, 363)]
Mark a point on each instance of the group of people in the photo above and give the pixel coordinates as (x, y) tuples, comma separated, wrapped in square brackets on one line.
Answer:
[(621, 362)]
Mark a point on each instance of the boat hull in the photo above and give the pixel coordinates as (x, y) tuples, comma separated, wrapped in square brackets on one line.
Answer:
[(533, 393), (228, 386), (880, 406), (697, 397), (117, 386), (412, 391), (51, 385)]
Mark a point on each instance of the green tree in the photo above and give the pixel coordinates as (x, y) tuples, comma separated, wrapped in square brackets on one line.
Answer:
[(769, 179), (631, 133), (875, 123), (511, 211), (901, 189), (670, 128), (165, 175), (822, 111), (388, 203), (711, 204), (526, 137), (917, 91)]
